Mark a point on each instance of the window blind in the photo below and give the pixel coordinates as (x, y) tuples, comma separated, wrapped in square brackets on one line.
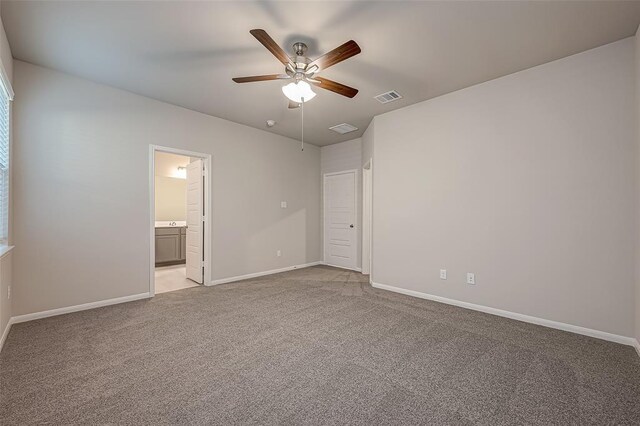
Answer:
[(4, 164)]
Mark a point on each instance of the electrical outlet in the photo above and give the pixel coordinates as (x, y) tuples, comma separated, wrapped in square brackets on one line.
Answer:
[(443, 274), (8, 292), (283, 204), (278, 253), (471, 278)]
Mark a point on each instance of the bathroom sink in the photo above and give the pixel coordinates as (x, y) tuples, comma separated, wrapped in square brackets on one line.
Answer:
[(170, 223)]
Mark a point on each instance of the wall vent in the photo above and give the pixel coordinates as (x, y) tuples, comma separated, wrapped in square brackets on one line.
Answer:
[(343, 128), (387, 97)]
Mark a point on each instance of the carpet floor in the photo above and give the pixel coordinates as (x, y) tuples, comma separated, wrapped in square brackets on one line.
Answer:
[(311, 346)]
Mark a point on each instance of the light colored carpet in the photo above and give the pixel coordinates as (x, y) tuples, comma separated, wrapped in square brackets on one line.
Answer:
[(311, 346)]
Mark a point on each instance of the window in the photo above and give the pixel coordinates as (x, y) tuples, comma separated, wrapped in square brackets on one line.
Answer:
[(6, 95)]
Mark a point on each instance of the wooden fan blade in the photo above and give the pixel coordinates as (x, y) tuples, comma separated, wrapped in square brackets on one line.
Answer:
[(293, 105), (261, 78), (272, 46), (338, 54), (338, 88)]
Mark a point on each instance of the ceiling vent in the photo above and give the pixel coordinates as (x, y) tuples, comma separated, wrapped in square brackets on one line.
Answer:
[(343, 128), (387, 97)]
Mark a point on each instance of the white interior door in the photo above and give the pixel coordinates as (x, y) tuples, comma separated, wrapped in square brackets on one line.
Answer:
[(195, 224), (340, 219)]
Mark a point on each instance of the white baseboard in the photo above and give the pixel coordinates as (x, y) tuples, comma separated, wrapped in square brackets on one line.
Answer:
[(636, 344), (263, 273), (5, 333), (341, 267), (76, 308), (520, 317)]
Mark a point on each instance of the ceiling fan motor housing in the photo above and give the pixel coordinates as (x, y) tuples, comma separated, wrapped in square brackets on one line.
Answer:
[(299, 48), (300, 62)]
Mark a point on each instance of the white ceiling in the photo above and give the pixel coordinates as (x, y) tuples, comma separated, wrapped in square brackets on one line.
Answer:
[(186, 53)]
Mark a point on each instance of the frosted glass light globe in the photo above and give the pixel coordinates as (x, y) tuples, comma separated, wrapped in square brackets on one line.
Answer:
[(298, 90)]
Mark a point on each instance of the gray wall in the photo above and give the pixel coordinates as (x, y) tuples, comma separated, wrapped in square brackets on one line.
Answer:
[(81, 204), (338, 158), (529, 181)]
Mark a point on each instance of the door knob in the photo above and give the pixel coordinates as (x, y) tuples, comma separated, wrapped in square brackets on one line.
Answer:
[(351, 226)]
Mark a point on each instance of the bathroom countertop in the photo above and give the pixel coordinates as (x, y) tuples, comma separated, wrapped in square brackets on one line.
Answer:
[(170, 223)]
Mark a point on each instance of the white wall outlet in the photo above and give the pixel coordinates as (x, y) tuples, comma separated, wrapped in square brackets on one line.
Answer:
[(278, 253), (443, 274), (471, 278), (8, 292), (283, 204)]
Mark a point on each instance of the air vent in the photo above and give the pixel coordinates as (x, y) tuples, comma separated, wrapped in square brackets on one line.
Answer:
[(387, 97), (343, 128)]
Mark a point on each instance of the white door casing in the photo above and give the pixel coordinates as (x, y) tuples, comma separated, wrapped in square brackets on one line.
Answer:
[(340, 233), (367, 207), (207, 161), (195, 223)]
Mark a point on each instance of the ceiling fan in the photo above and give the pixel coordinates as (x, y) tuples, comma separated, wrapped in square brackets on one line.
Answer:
[(303, 70)]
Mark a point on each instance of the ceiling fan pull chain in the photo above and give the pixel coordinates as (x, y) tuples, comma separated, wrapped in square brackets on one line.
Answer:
[(302, 99)]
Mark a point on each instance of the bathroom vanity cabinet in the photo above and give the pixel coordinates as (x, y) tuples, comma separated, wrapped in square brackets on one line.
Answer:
[(171, 245)]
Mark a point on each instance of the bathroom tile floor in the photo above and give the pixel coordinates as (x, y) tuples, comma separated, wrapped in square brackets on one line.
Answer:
[(171, 278)]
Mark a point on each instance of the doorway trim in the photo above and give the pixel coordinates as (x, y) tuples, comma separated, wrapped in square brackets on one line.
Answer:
[(324, 216), (367, 218), (206, 158)]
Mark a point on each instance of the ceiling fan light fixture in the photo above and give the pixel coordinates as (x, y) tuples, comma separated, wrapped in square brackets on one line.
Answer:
[(299, 91)]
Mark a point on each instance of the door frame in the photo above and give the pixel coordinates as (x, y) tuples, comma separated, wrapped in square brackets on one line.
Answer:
[(367, 219), (355, 216), (206, 158)]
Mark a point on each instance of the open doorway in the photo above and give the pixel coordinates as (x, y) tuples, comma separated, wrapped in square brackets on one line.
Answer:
[(179, 219)]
